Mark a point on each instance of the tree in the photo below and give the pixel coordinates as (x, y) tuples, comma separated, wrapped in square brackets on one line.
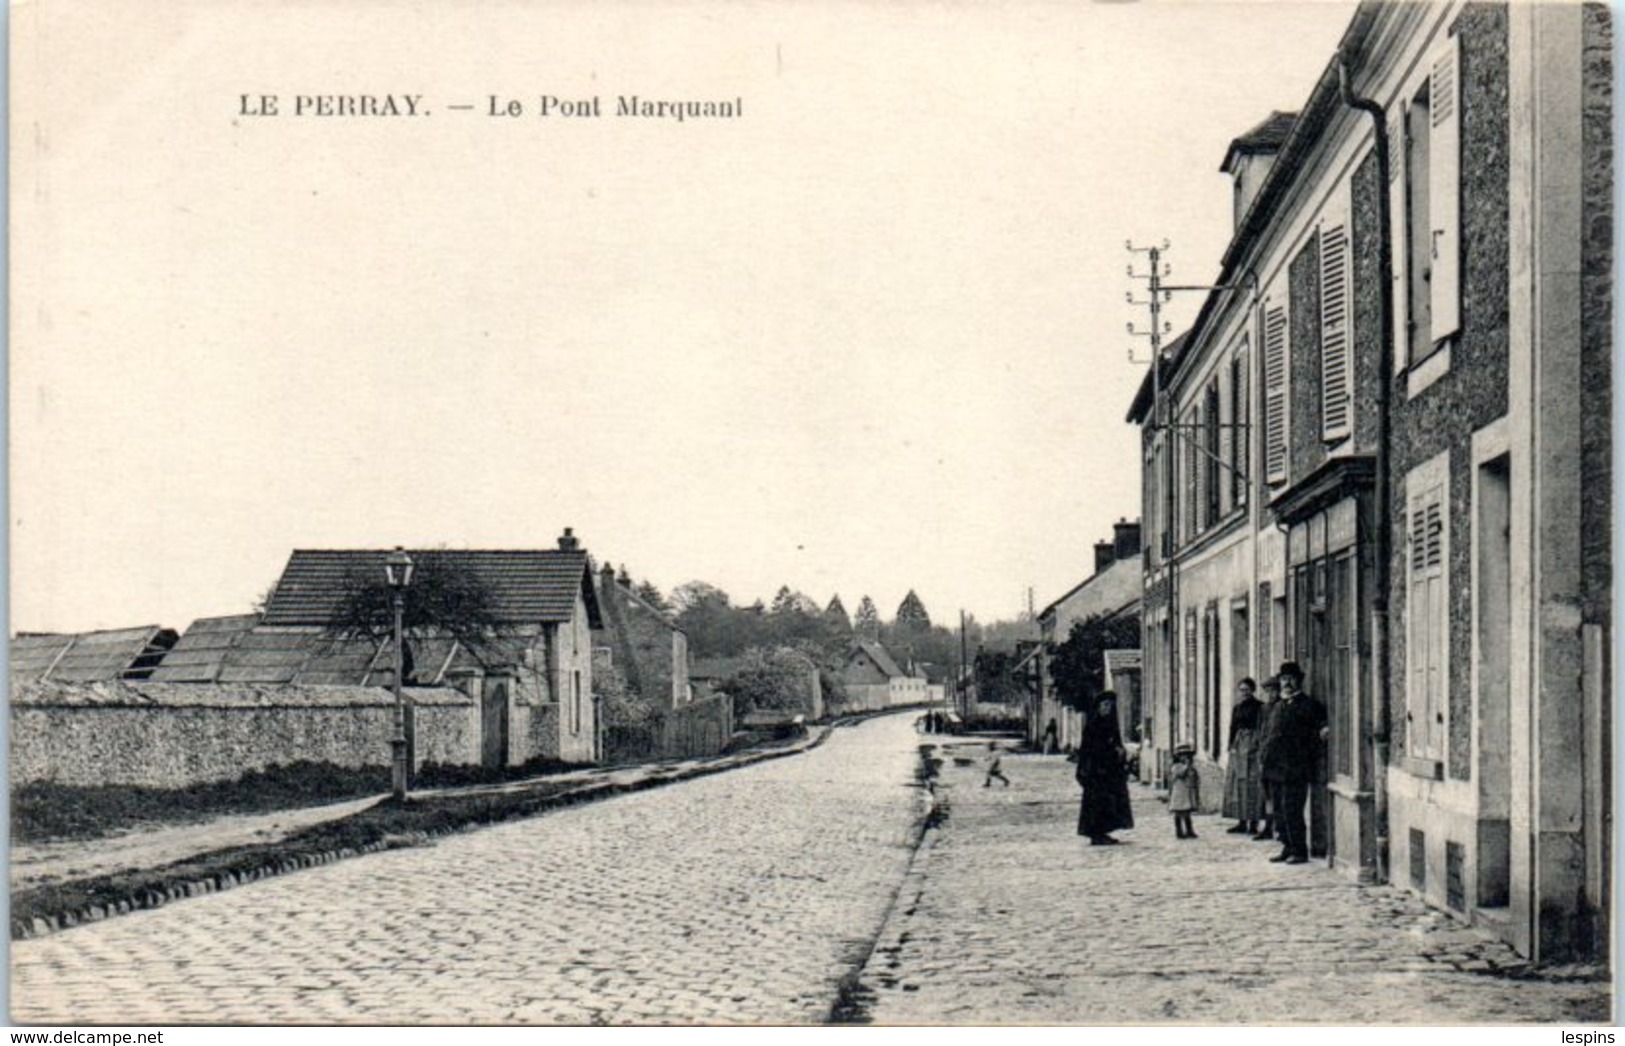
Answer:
[(867, 622), (996, 679), (789, 601), (837, 616), (1078, 665), (651, 595), (446, 598), (911, 613), (777, 678), (697, 593)]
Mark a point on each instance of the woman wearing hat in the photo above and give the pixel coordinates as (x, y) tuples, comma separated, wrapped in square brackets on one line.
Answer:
[(1101, 772)]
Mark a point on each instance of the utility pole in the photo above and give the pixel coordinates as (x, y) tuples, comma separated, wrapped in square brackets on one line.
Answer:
[(964, 668), (1161, 415), (1158, 294)]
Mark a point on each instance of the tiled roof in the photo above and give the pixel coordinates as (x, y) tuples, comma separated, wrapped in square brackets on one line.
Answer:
[(1268, 136), (272, 655), (882, 658), (201, 650), (527, 587), (85, 657), (1109, 592)]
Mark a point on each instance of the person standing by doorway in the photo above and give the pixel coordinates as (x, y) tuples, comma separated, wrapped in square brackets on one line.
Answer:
[(1243, 788), (1292, 755)]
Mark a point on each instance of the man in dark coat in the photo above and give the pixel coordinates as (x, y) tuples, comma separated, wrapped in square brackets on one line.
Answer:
[(1291, 752)]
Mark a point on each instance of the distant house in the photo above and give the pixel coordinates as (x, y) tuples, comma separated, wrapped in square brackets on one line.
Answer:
[(644, 643), (1112, 590), (533, 681), (874, 679), (706, 674), (89, 657)]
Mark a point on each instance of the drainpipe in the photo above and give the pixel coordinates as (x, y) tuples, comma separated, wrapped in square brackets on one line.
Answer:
[(1382, 531)]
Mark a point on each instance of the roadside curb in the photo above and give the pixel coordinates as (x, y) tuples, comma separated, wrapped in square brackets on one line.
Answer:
[(853, 994), (164, 889)]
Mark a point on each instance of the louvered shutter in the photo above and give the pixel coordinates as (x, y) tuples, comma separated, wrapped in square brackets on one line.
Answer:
[(1444, 190), (1242, 441), (1189, 437), (1275, 333), (1335, 400), (1228, 418), (1428, 619), (1399, 241)]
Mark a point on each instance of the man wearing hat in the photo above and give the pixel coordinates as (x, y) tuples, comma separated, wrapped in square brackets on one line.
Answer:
[(1291, 752)]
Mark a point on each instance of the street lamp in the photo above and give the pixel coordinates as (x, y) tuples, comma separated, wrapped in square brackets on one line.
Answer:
[(398, 572)]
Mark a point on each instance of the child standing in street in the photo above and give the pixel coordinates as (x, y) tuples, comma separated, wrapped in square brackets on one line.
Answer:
[(993, 769), (1184, 790)]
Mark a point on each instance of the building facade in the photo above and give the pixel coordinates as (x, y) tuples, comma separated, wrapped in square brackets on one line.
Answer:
[(1382, 450)]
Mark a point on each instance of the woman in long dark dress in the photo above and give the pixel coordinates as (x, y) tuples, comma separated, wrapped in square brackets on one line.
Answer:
[(1102, 773), (1243, 788)]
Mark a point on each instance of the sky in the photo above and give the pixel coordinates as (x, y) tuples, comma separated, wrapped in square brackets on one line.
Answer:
[(866, 337)]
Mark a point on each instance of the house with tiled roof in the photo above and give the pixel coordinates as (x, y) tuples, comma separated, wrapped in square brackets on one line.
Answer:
[(874, 678), (1112, 590), (532, 679)]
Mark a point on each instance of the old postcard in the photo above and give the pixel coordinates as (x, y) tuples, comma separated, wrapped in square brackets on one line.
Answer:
[(811, 513)]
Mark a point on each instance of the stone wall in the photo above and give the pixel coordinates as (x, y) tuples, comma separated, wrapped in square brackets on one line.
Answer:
[(1474, 391), (171, 735), (1597, 316)]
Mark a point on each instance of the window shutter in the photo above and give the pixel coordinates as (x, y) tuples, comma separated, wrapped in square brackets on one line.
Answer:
[(1399, 242), (1428, 618), (1335, 401), (1240, 432), (1188, 488), (1444, 189), (1198, 443), (1228, 441), (1275, 394)]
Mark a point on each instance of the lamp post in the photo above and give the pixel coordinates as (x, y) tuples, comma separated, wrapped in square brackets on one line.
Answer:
[(398, 572)]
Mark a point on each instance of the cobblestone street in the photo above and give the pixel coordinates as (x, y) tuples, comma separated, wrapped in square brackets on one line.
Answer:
[(1009, 917), (739, 898)]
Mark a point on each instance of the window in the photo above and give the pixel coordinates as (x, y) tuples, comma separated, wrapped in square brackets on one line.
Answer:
[(575, 702), (1427, 619), (1275, 392), (1238, 441), (1210, 452), (1431, 208), (1335, 399)]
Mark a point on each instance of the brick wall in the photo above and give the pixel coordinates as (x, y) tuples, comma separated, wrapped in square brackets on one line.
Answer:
[(171, 735)]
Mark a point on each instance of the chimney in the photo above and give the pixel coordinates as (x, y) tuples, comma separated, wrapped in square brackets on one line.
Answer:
[(1104, 555), (608, 597), (568, 541), (1126, 539)]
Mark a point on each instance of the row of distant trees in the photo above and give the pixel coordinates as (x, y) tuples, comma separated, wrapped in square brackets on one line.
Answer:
[(777, 643)]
